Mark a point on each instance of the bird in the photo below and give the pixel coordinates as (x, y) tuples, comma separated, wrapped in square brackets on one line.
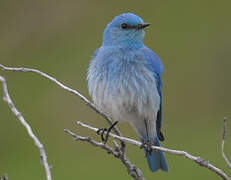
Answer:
[(124, 82)]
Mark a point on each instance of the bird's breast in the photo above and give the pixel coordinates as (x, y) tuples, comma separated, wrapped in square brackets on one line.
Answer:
[(123, 87)]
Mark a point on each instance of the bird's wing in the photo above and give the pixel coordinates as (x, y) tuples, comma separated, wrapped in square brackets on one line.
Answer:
[(155, 65), (96, 52)]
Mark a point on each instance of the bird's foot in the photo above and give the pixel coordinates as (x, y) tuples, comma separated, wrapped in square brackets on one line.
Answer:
[(102, 131), (147, 146)]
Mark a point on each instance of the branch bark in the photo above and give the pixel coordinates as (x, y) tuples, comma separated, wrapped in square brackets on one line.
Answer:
[(70, 90), (121, 149), (73, 91), (223, 144), (196, 159), (132, 170), (20, 117), (118, 151)]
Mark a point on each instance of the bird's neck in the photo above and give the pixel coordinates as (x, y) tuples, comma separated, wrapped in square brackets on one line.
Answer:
[(126, 44)]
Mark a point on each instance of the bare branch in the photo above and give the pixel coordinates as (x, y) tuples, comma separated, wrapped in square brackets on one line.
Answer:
[(73, 91), (223, 143), (118, 152), (132, 170), (196, 159), (121, 150), (92, 142), (20, 117)]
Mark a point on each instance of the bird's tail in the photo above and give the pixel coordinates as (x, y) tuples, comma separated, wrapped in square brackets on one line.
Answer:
[(156, 159)]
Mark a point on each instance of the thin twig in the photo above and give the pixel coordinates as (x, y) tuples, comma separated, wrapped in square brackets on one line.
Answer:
[(223, 143), (92, 142), (73, 91), (132, 170), (118, 136), (20, 117), (196, 159), (121, 150)]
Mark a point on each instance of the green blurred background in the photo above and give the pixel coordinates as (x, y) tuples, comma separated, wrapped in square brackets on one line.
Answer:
[(59, 37)]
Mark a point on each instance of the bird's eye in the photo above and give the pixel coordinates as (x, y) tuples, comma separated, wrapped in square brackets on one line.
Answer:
[(124, 26)]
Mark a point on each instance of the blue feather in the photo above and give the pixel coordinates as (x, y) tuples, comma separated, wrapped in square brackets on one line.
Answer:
[(124, 81), (156, 159), (155, 65)]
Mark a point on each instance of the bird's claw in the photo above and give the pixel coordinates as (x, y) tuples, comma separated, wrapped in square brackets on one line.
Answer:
[(147, 146), (102, 131)]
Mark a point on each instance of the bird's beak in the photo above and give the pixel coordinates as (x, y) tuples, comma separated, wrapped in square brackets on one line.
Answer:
[(143, 25)]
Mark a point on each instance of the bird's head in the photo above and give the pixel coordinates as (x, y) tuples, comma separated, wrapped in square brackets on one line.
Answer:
[(125, 30)]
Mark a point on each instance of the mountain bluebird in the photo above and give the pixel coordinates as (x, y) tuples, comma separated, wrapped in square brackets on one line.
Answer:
[(124, 81)]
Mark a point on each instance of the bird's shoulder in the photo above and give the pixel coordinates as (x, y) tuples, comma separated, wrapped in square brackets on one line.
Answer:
[(96, 52), (107, 51), (153, 61), (117, 54)]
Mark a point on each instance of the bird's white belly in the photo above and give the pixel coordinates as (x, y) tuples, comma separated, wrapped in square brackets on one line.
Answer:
[(130, 99)]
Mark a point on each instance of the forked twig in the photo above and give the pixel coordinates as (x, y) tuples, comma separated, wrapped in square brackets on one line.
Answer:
[(196, 159), (20, 117), (73, 91), (132, 170)]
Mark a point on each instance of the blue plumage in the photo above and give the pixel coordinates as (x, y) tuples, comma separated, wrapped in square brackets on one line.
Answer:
[(124, 81), (156, 159)]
